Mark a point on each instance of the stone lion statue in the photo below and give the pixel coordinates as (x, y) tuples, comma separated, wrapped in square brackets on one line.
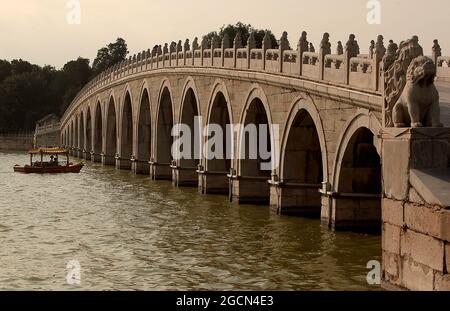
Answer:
[(418, 104), (411, 98)]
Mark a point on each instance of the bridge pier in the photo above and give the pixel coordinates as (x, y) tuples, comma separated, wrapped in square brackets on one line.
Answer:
[(140, 167), (160, 171), (86, 155), (351, 211), (95, 157), (295, 199), (184, 176), (123, 164), (416, 215), (250, 190), (108, 160), (213, 182)]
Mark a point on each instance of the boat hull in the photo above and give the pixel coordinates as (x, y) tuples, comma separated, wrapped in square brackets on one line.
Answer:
[(48, 170)]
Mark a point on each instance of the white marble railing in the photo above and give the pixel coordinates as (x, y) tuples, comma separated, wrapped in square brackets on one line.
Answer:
[(443, 68), (361, 72)]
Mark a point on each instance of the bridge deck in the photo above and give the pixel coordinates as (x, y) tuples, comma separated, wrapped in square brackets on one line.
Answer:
[(444, 92)]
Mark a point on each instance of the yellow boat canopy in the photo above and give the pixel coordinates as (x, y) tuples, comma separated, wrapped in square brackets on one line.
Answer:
[(47, 151)]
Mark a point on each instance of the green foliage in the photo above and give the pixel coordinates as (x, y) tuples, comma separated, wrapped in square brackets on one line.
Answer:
[(244, 30), (110, 55), (29, 92)]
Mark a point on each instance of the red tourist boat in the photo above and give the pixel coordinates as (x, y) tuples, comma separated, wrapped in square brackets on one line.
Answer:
[(54, 166)]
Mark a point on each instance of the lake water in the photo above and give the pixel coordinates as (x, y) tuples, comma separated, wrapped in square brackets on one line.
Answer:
[(130, 233)]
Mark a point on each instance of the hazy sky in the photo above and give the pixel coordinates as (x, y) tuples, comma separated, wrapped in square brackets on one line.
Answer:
[(37, 30)]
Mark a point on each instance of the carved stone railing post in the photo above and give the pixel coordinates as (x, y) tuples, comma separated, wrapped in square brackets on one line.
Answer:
[(165, 52), (378, 54), (284, 46), (129, 65), (194, 48), (302, 46), (351, 50), (237, 44), (251, 44), (436, 52), (325, 49), (225, 45), (202, 48), (179, 49), (266, 45), (139, 60), (215, 42), (173, 49), (186, 48)]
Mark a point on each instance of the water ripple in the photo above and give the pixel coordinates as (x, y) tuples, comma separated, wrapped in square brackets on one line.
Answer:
[(130, 233)]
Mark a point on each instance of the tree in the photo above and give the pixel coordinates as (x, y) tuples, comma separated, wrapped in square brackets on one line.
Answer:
[(110, 55), (5, 69), (244, 30), (208, 37), (29, 92), (118, 51)]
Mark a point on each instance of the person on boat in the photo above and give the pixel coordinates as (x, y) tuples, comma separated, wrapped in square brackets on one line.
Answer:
[(52, 161)]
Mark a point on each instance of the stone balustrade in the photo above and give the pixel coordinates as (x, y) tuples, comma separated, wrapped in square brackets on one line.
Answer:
[(443, 68), (352, 70), (16, 141)]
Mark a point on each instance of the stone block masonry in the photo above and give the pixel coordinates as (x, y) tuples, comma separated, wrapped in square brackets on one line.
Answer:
[(415, 214), (16, 142)]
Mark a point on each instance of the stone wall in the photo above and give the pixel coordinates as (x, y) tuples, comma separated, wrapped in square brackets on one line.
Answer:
[(415, 209), (47, 136), (443, 69), (19, 142)]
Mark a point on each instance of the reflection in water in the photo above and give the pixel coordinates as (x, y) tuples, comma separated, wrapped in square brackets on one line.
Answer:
[(129, 232)]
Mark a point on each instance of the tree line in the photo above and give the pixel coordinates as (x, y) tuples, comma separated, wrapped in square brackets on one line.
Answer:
[(29, 92)]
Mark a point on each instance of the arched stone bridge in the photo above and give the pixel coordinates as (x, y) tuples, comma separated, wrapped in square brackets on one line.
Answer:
[(328, 108)]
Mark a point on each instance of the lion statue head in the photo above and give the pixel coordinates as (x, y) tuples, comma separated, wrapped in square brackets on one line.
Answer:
[(396, 64), (422, 71)]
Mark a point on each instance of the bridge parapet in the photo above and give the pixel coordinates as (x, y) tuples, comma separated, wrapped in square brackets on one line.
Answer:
[(443, 68), (349, 70)]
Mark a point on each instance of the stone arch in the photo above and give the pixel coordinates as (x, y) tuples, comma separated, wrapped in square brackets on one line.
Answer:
[(359, 120), (256, 99), (357, 184), (126, 131), (111, 133), (89, 130), (97, 136), (189, 111), (77, 134), (256, 158), (69, 134), (220, 112), (213, 175), (303, 162), (143, 131), (164, 139), (82, 132), (306, 104)]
